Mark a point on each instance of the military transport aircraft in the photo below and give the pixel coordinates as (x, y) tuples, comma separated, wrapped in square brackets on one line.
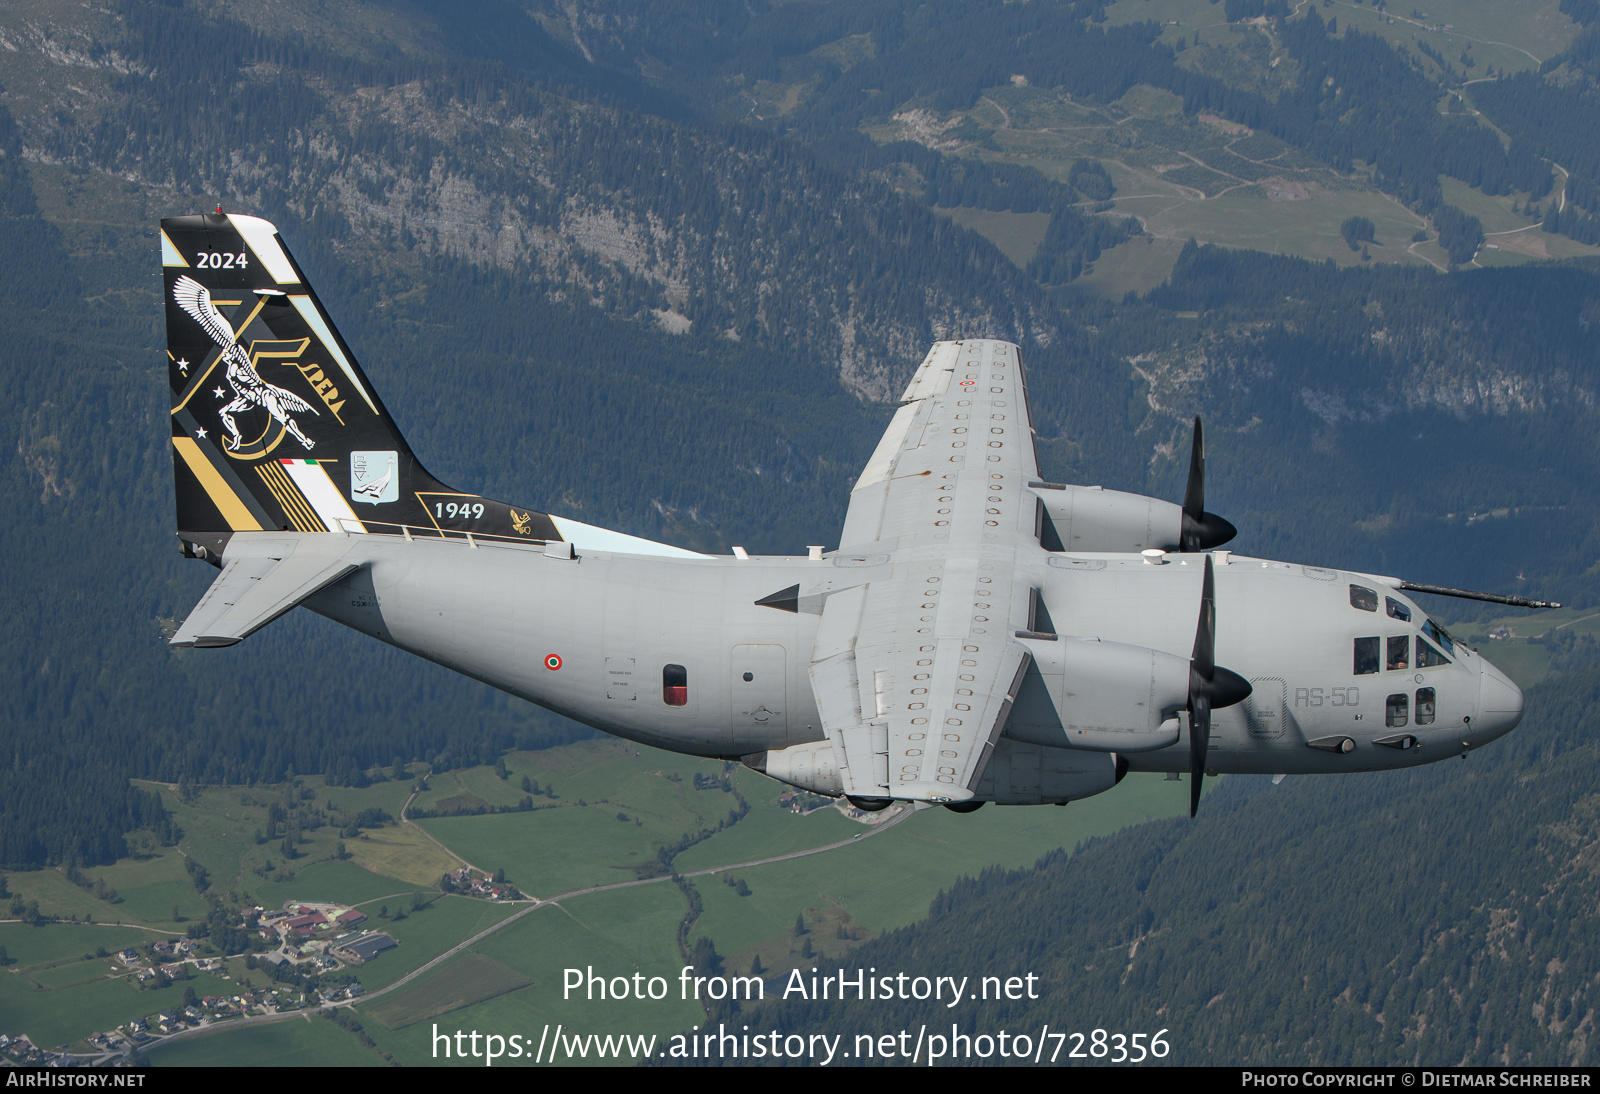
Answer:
[(979, 636)]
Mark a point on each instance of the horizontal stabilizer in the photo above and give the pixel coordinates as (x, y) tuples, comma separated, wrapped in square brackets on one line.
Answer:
[(262, 579)]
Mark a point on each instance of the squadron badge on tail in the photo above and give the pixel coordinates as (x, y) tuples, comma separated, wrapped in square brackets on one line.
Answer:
[(249, 389)]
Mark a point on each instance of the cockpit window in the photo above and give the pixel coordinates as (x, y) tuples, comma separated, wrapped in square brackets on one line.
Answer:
[(1439, 635), (1428, 657), (1366, 656), (1399, 646), (1363, 598), (1397, 610)]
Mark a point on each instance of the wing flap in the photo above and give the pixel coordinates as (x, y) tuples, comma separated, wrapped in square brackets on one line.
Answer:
[(946, 762), (262, 579), (913, 712)]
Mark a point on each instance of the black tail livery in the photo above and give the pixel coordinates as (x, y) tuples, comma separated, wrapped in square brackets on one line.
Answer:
[(274, 426)]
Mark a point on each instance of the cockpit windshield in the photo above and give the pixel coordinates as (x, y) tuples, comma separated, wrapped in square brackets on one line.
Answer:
[(1439, 635)]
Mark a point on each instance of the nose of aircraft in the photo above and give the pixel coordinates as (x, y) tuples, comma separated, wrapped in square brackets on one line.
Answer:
[(1499, 704)]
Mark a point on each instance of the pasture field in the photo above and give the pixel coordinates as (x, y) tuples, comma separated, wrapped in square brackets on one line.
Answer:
[(1303, 221), (311, 1042), (1182, 177), (1523, 661), (1018, 235), (1493, 254), (65, 974), (29, 948), (1493, 211), (1217, 182), (512, 981), (556, 850), (66, 1016), (889, 880), (579, 839), (59, 897), (471, 978), (337, 882), (152, 902), (1512, 36), (148, 885), (1137, 266), (403, 852), (425, 934), (768, 830), (221, 825), (617, 933), (1509, 36)]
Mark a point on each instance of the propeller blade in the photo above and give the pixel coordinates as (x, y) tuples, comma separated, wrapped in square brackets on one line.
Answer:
[(1209, 686), (1203, 665), (1194, 498), (1201, 530), (1199, 741)]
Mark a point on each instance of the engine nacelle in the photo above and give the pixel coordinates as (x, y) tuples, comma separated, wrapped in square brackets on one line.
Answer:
[(1083, 693), (1028, 774), (811, 766), (1089, 519)]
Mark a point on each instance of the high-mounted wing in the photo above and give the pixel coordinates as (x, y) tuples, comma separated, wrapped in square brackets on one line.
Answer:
[(914, 672)]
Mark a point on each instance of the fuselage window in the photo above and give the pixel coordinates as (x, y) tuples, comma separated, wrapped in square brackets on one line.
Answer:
[(675, 686), (1428, 657), (1399, 646), (1363, 598), (1425, 706), (1395, 709), (1396, 609), (1366, 656), (1439, 635)]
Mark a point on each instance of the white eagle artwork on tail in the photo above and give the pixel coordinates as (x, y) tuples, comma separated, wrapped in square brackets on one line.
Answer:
[(249, 389)]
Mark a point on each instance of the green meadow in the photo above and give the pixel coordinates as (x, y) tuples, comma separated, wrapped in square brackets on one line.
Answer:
[(58, 992)]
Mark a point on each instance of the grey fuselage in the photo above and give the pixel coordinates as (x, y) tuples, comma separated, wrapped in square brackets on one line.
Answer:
[(593, 637)]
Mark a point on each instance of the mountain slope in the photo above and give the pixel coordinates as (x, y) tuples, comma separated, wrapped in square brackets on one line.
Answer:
[(1463, 931)]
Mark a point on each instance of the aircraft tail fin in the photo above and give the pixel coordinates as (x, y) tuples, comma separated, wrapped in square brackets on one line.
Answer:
[(274, 425)]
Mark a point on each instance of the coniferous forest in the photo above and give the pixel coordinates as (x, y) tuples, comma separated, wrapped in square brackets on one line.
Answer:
[(1459, 934)]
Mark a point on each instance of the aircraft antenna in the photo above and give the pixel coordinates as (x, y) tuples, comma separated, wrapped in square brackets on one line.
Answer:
[(1468, 594)]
